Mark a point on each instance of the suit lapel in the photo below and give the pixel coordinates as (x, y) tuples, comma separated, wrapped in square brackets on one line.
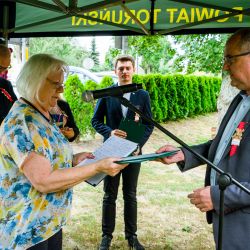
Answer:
[(222, 127), (130, 114), (225, 121), (116, 102), (226, 153)]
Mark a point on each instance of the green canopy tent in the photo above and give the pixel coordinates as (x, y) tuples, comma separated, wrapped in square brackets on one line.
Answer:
[(29, 18)]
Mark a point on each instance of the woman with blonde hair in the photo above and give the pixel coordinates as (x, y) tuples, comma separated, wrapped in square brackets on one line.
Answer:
[(37, 170)]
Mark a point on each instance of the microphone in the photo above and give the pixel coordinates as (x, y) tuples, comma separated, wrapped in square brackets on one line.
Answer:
[(90, 95)]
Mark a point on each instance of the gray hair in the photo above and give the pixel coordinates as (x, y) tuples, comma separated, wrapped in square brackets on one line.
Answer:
[(34, 72), (243, 38)]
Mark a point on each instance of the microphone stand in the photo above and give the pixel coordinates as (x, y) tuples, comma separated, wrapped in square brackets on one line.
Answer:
[(224, 179)]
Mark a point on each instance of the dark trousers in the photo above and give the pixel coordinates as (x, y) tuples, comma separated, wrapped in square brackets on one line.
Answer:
[(111, 184), (52, 243)]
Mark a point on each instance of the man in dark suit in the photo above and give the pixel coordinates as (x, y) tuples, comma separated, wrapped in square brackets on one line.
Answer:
[(229, 150), (106, 120), (7, 95)]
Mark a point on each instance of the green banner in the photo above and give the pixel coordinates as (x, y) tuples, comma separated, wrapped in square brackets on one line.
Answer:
[(133, 16)]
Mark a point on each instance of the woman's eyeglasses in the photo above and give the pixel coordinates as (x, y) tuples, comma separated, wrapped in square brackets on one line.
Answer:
[(56, 85)]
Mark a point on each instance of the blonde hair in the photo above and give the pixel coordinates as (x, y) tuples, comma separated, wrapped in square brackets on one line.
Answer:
[(34, 73)]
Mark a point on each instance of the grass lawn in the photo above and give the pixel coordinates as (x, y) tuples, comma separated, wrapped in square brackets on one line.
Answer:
[(166, 219)]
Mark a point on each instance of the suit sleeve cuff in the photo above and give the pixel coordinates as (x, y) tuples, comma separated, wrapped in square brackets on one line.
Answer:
[(215, 196)]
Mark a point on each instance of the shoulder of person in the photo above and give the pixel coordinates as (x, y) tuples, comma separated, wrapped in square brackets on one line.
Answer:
[(20, 112), (142, 92), (5, 83), (61, 103)]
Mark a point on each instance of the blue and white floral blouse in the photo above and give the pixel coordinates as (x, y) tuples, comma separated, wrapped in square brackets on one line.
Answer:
[(27, 216)]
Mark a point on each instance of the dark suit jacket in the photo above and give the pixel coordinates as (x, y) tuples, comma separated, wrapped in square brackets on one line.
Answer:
[(237, 202), (108, 114), (5, 103)]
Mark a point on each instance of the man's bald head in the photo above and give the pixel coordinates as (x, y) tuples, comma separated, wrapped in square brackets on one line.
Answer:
[(237, 59), (242, 38)]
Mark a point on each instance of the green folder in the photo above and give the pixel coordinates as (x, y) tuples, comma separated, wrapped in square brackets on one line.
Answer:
[(135, 130), (146, 157)]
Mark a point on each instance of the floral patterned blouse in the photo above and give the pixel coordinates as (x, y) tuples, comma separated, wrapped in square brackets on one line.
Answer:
[(27, 216)]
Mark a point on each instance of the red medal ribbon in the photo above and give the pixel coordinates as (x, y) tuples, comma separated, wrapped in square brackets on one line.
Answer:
[(5, 92), (237, 138)]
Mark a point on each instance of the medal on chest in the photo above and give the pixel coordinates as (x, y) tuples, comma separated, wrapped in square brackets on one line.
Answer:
[(236, 138)]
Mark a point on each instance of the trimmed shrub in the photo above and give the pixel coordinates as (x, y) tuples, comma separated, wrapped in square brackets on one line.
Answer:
[(82, 111), (162, 101), (182, 95), (172, 96), (106, 82), (150, 85), (195, 96)]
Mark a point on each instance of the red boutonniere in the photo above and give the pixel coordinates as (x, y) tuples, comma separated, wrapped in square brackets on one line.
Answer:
[(5, 92), (237, 138)]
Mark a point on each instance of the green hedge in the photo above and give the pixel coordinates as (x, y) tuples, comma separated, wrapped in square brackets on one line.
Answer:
[(82, 111), (172, 96)]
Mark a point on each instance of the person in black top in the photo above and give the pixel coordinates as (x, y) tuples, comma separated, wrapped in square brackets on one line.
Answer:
[(7, 95), (64, 118)]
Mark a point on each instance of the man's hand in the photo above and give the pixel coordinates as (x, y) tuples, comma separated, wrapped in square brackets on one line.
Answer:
[(119, 133), (137, 151), (201, 198), (179, 156)]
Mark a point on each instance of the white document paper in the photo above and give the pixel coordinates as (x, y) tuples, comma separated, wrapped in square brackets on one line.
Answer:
[(114, 146)]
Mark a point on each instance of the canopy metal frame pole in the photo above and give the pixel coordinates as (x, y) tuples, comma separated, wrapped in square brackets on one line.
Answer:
[(152, 17), (79, 12), (6, 15)]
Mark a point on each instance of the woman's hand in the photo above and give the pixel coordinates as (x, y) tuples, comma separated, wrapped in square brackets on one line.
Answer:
[(179, 156), (82, 156), (109, 167), (68, 132)]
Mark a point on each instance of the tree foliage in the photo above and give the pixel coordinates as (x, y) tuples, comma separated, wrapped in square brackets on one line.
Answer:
[(172, 96), (186, 53), (62, 47), (110, 57), (82, 111), (200, 53), (155, 52), (94, 55)]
